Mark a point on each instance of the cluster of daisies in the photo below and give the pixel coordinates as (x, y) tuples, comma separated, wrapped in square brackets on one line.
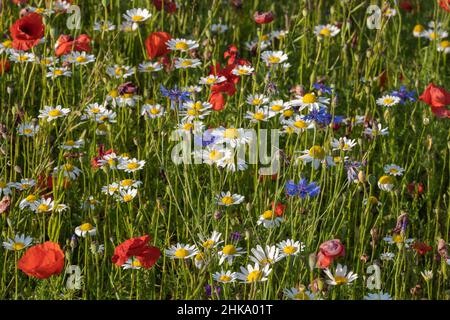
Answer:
[(434, 33)]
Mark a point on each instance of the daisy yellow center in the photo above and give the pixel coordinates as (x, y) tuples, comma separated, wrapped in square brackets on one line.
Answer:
[(268, 215), (309, 98), (27, 131), (227, 200), (18, 246), (186, 63), (81, 59), (197, 106), (2, 185), (386, 180), (22, 58), (225, 278), (25, 185), (70, 143), (208, 243), (259, 116), (113, 93), (229, 249), (231, 133), (256, 101), (127, 197), (136, 263), (433, 35), (397, 238), (137, 18), (95, 110), (418, 28), (288, 113), (154, 110), (54, 113), (242, 71), (45, 61), (58, 72), (43, 207), (317, 152), (254, 276), (126, 182), (31, 198), (325, 32), (119, 71), (266, 261), (199, 257), (181, 45), (210, 80), (274, 59), (103, 118), (445, 44), (215, 155), (264, 37), (127, 95), (39, 10), (388, 100), (68, 167), (373, 200), (7, 44), (86, 227), (188, 126), (276, 107), (193, 112), (300, 124), (393, 170), (289, 249), (301, 296), (132, 165), (181, 253), (340, 280)]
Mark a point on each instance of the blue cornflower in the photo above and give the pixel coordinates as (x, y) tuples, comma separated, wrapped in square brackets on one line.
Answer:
[(204, 139), (320, 116), (352, 168), (404, 95), (302, 189), (323, 88), (175, 95)]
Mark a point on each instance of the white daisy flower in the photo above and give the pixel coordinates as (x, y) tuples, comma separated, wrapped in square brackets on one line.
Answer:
[(129, 26), (137, 15), (111, 188), (181, 44), (68, 170), (243, 70), (152, 111), (21, 56), (52, 113), (225, 276), (419, 31), (131, 165), (211, 242), (30, 201), (260, 114), (378, 296), (232, 137), (388, 101), (120, 72), (47, 61), (253, 274), (257, 100), (189, 126), (290, 247), (181, 251), (266, 256), (127, 195), (79, 58), (273, 57), (212, 80), (326, 31), (343, 144), (85, 229), (27, 129), (435, 34), (295, 294), (43, 205), (181, 63), (298, 123), (444, 46), (269, 219), (376, 131), (19, 242), (387, 256), (229, 252), (386, 183), (341, 276), (5, 188), (25, 184), (71, 144), (390, 12), (393, 170), (106, 116), (212, 154), (316, 155), (310, 101), (104, 26), (149, 66), (219, 28), (227, 199)]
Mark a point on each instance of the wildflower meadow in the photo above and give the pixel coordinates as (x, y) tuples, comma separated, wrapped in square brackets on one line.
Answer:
[(224, 150)]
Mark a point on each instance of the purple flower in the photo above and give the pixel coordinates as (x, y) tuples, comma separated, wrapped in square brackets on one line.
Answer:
[(204, 139), (302, 189), (352, 168), (235, 236), (323, 88), (404, 95), (291, 188), (208, 290), (320, 116), (175, 95)]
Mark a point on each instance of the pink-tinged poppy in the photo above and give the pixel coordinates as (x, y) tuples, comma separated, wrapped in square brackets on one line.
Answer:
[(263, 17)]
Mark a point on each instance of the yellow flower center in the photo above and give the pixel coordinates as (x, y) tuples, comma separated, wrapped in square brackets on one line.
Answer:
[(242, 71), (2, 185), (288, 113), (186, 63), (386, 180), (58, 72), (113, 93), (256, 101), (81, 59), (373, 200), (418, 28), (309, 98), (433, 35), (393, 170), (208, 244), (193, 112), (181, 253), (181, 45), (210, 80), (22, 58), (325, 32), (199, 257), (18, 246), (259, 116), (215, 155), (276, 107), (340, 280), (7, 44), (224, 278), (227, 200), (445, 44), (274, 59), (268, 215), (54, 113), (68, 167), (70, 143), (31, 198), (397, 238), (137, 18), (388, 101), (27, 131), (254, 276), (126, 182), (300, 124), (317, 152), (119, 71), (86, 227), (136, 263), (229, 250), (289, 250), (25, 185), (154, 110), (301, 296), (231, 133), (133, 165), (266, 261), (43, 207)]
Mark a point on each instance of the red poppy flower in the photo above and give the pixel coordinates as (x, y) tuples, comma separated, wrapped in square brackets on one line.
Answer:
[(406, 5), (414, 188), (328, 251), (42, 260), (139, 248), (26, 32), (217, 101), (169, 6), (437, 98), (155, 44), (19, 2), (5, 66), (421, 247), (66, 44), (263, 17), (445, 4), (101, 152), (278, 208)]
